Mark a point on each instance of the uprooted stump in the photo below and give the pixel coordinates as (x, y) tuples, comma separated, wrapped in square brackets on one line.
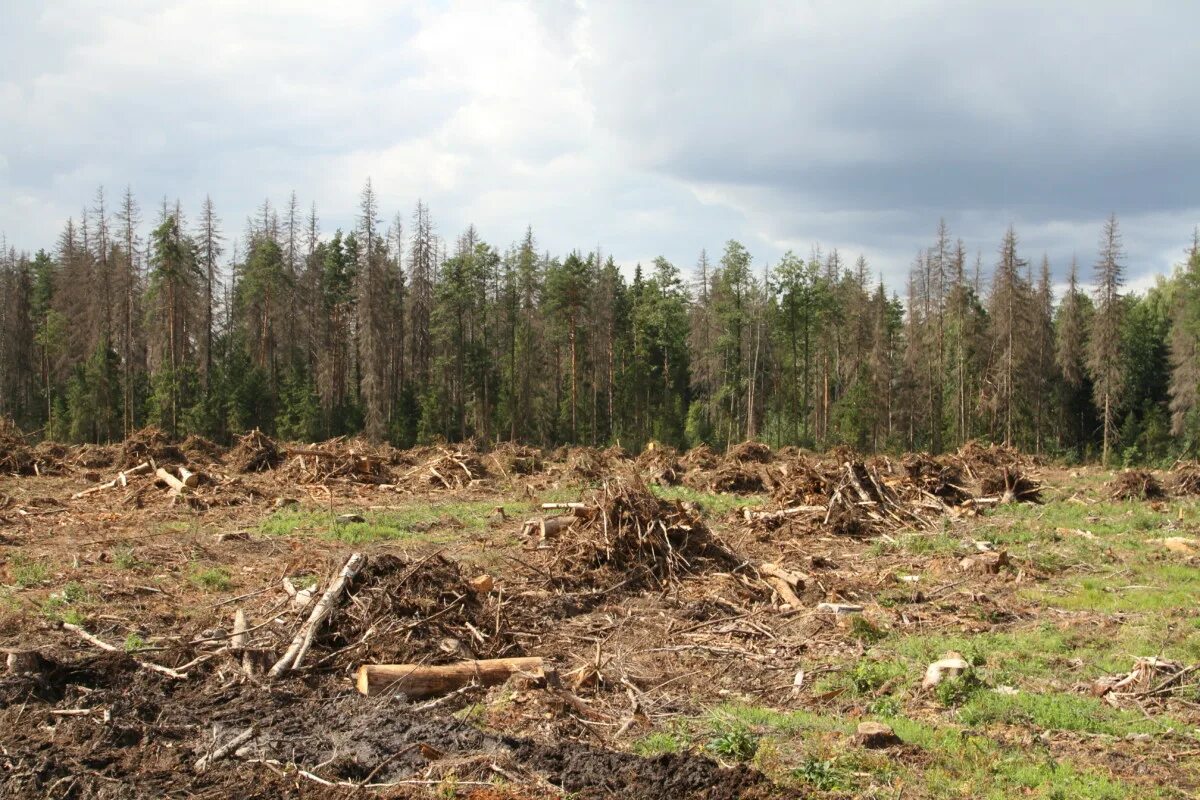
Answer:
[(647, 541), (1136, 484), (1010, 485), (256, 452)]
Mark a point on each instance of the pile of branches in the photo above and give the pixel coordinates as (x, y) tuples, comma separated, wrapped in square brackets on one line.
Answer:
[(745, 469), (660, 465), (199, 450), (748, 452), (448, 469), (149, 444), (1185, 479), (402, 611), (1151, 681), (255, 452), (644, 540), (925, 475), (803, 482), (700, 457), (354, 460), (516, 459), (1136, 484), (15, 456)]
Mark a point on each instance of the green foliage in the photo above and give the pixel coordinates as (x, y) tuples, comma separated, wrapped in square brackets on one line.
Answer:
[(134, 643), (734, 741), (657, 744), (824, 775)]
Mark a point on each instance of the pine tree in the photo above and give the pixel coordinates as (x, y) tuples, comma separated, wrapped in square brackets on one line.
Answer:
[(1104, 351)]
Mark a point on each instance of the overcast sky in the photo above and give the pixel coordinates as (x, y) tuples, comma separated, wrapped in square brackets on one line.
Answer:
[(644, 127)]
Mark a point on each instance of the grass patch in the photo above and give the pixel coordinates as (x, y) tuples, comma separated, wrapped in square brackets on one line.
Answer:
[(1055, 711), (27, 572), (660, 743), (711, 504), (429, 522), (211, 579)]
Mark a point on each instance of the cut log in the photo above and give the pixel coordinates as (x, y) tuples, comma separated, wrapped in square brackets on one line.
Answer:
[(418, 681), (794, 579), (190, 479), (303, 640), (547, 527), (170, 480), (775, 516), (237, 642)]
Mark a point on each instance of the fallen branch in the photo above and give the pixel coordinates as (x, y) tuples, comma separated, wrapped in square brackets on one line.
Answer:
[(225, 749), (303, 639), (87, 637)]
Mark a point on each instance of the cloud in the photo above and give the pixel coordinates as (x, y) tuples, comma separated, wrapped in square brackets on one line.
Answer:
[(644, 128)]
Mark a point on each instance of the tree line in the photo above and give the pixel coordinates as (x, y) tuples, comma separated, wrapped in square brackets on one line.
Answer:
[(401, 334)]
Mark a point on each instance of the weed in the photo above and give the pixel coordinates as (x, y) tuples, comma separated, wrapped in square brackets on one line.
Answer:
[(134, 643), (74, 592), (657, 744), (711, 504), (734, 741), (124, 558), (887, 706), (822, 774)]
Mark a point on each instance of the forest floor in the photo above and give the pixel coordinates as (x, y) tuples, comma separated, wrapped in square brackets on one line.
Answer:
[(676, 665)]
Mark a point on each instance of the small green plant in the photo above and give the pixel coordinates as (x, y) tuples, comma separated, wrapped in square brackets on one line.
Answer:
[(213, 579), (953, 692), (134, 643), (887, 706), (865, 631), (27, 572), (735, 741), (74, 592), (870, 676), (658, 743), (821, 774), (302, 582), (124, 558)]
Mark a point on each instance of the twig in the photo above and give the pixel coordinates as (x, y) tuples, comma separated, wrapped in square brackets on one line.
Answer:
[(87, 637)]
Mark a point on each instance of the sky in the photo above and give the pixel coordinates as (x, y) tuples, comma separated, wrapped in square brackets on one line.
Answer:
[(644, 128)]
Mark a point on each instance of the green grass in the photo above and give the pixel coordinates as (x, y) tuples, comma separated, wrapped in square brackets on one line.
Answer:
[(423, 522), (211, 579), (1057, 711), (26, 572), (711, 504), (134, 643)]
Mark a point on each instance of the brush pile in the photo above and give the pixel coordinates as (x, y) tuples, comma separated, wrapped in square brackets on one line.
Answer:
[(255, 452), (1151, 681), (642, 540), (15, 456), (149, 444), (1136, 484), (401, 611), (516, 459), (354, 460), (199, 450), (745, 469), (1184, 480), (447, 469), (660, 465)]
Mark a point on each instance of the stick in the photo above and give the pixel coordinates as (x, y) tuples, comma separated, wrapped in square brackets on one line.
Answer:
[(120, 480), (87, 637), (225, 749), (417, 681), (303, 640), (237, 642)]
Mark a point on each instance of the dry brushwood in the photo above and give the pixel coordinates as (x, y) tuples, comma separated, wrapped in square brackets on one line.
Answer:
[(1010, 485), (1184, 479), (15, 456), (1136, 484), (448, 469), (645, 540), (149, 444), (255, 452)]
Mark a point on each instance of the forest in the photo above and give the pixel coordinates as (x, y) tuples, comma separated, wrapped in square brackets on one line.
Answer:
[(401, 334)]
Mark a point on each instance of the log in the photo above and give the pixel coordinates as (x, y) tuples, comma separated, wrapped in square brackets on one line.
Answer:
[(793, 579), (770, 516), (237, 642), (170, 480), (547, 527), (303, 640), (418, 681), (190, 479)]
